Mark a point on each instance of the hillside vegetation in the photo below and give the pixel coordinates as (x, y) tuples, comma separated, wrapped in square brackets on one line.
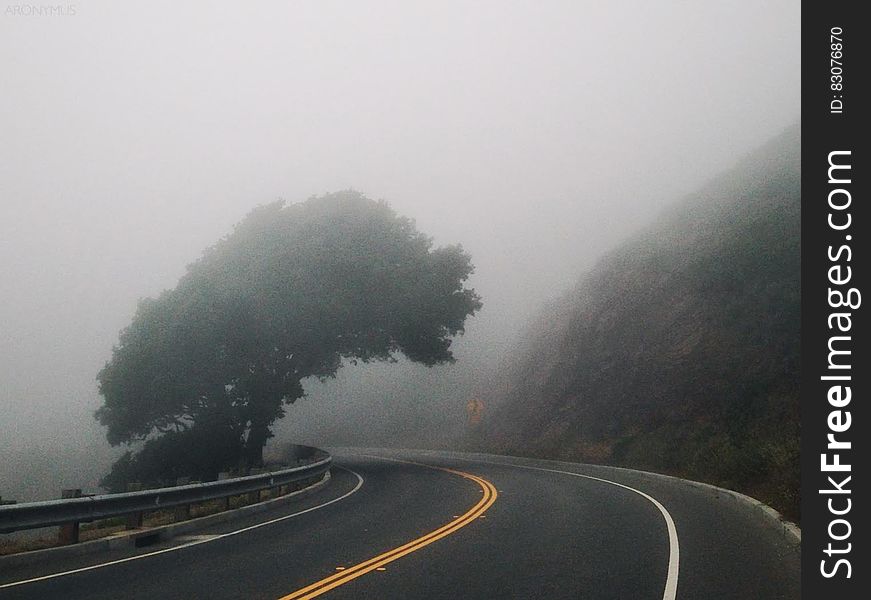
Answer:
[(680, 352)]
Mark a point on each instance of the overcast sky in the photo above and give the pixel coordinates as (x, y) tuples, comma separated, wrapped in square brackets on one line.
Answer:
[(537, 134)]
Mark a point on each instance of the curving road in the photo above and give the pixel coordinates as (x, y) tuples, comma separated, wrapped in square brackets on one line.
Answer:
[(406, 524)]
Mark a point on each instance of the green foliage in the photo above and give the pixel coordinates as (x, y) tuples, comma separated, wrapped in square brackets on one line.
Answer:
[(289, 294), (199, 452)]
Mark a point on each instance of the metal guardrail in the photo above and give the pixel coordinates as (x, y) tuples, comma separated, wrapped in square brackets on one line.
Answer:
[(32, 515)]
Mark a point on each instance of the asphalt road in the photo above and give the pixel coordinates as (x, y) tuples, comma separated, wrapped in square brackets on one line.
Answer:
[(478, 530)]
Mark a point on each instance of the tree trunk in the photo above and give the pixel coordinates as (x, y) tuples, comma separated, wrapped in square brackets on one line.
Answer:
[(257, 436)]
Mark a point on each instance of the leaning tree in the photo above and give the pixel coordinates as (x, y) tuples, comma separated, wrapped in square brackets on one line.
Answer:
[(288, 295)]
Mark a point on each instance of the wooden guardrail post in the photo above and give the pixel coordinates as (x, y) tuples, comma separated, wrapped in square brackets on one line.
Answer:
[(68, 533), (134, 520), (182, 512), (254, 497), (225, 501)]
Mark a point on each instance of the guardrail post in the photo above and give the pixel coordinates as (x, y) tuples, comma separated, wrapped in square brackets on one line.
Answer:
[(182, 512), (254, 497), (225, 501), (134, 520), (68, 533)]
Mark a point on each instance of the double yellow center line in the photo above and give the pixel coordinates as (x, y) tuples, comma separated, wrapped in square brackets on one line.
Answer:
[(351, 573)]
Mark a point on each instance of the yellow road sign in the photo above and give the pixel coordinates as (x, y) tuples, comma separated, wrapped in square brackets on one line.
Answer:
[(475, 410)]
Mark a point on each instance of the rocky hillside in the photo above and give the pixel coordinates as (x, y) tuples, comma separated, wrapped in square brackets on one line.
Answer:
[(680, 352)]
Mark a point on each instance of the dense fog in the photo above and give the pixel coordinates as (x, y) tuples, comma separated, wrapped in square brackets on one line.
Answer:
[(536, 134)]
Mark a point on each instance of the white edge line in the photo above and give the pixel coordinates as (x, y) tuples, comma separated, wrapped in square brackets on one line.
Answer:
[(189, 544), (670, 591)]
